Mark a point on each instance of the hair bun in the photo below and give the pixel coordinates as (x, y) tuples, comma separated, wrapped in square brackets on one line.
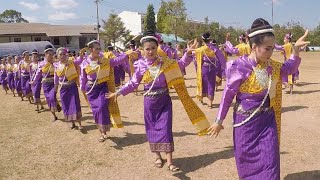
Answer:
[(206, 35), (259, 24), (150, 33), (48, 47)]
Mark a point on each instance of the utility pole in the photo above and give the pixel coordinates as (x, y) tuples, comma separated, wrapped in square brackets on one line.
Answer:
[(98, 24), (272, 12)]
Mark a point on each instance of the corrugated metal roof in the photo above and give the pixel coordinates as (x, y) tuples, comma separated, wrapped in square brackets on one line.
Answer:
[(48, 29)]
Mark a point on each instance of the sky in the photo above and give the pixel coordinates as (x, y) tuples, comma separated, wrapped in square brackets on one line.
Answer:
[(238, 13)]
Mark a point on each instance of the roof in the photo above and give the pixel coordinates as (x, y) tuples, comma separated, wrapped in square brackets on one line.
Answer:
[(48, 29), (16, 48)]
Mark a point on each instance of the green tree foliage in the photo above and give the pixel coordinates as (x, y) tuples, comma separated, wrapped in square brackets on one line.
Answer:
[(149, 20), (114, 29), (172, 17), (12, 16)]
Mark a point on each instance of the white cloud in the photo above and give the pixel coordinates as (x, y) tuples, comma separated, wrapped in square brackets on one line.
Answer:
[(31, 6), (63, 4), (30, 18), (62, 16)]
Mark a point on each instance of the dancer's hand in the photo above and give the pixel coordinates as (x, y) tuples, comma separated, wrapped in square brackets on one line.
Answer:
[(191, 47), (112, 95), (300, 43), (215, 129), (31, 82), (82, 52)]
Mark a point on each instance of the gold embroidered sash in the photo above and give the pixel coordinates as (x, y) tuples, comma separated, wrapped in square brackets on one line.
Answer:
[(46, 70), (69, 71), (174, 78), (251, 86), (200, 52), (106, 73), (161, 52)]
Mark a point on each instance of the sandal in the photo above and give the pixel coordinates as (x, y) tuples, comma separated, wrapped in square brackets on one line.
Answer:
[(72, 126), (173, 168), (80, 128), (54, 119), (159, 163), (103, 138), (210, 106)]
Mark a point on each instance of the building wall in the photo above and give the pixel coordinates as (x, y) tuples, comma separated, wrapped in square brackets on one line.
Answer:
[(4, 39), (132, 21)]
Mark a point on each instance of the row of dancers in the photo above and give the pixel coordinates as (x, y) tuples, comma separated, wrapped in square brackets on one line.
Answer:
[(254, 78)]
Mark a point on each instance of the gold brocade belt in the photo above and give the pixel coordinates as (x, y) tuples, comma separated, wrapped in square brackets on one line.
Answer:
[(239, 110), (25, 75), (157, 93), (67, 83), (91, 82), (47, 80)]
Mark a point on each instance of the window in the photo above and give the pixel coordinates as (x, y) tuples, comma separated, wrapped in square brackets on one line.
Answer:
[(56, 41), (37, 39), (17, 40)]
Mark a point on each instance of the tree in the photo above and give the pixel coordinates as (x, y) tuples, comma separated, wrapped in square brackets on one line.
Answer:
[(149, 20), (127, 37), (114, 29), (12, 16), (162, 17), (172, 17)]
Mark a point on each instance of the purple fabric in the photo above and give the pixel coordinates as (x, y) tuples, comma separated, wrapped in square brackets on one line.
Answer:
[(158, 123), (71, 107), (141, 66), (209, 73), (36, 90), (99, 103), (25, 85), (3, 79), (10, 79), (17, 83), (157, 111), (210, 67), (230, 49), (36, 86), (118, 74), (256, 147), (50, 94)]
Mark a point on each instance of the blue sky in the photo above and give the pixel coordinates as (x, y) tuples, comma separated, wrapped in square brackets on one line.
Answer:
[(239, 13)]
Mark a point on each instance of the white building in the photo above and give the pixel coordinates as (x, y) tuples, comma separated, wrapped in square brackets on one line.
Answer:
[(133, 21), (74, 37)]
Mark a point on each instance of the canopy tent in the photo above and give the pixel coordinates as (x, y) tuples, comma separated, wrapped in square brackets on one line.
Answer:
[(17, 48), (171, 38), (165, 37)]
